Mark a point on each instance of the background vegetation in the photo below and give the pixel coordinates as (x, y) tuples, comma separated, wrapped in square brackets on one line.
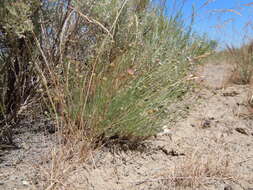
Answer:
[(242, 58)]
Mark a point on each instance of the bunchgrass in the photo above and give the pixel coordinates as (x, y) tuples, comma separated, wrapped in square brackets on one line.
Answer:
[(242, 58), (135, 65)]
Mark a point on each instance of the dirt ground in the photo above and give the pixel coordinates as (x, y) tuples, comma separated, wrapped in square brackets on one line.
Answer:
[(211, 148)]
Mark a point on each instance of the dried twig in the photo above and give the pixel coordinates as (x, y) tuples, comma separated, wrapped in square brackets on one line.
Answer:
[(91, 20)]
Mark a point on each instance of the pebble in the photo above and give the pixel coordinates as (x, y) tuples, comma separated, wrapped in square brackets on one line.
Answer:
[(228, 187), (25, 182), (165, 132)]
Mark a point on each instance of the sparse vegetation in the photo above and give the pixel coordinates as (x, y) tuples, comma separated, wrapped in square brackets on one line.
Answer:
[(242, 58), (197, 170)]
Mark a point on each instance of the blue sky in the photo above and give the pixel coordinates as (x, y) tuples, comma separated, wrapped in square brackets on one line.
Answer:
[(228, 21)]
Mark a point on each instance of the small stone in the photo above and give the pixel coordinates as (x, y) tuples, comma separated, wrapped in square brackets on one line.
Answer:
[(25, 182), (228, 187), (206, 124), (165, 132), (192, 125), (241, 130)]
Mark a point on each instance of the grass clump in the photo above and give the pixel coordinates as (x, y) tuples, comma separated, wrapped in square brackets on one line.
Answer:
[(242, 58), (105, 69), (134, 63)]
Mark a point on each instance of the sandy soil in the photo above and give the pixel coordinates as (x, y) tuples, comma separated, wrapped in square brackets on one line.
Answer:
[(18, 165), (211, 148)]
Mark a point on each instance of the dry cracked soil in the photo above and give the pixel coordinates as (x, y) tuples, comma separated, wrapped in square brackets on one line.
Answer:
[(210, 147)]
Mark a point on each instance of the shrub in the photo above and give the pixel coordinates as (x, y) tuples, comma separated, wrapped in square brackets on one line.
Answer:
[(17, 51)]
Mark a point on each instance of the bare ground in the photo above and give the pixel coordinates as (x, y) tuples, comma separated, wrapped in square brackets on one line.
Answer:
[(211, 148)]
